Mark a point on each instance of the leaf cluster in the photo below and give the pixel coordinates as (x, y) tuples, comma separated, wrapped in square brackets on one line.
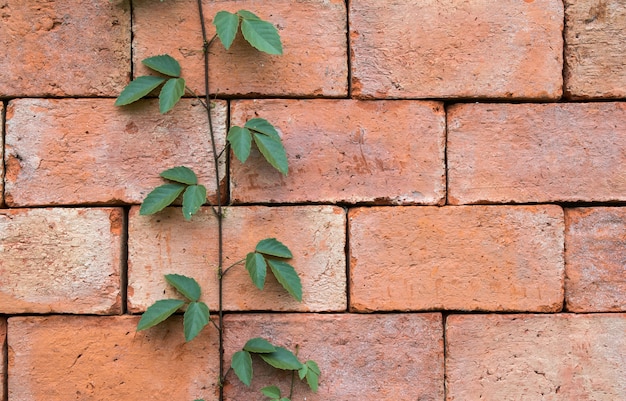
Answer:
[(262, 35), (266, 139), (269, 252)]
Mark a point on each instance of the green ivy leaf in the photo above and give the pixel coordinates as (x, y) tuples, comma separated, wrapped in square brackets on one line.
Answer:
[(312, 375), (272, 392), (287, 277), (259, 346), (160, 198), (247, 15), (273, 151), (165, 64), (273, 247), (181, 174), (185, 285), (137, 89), (240, 141), (196, 317), (262, 126), (282, 359), (158, 312), (193, 198), (242, 365), (170, 94), (257, 269), (262, 35), (226, 25)]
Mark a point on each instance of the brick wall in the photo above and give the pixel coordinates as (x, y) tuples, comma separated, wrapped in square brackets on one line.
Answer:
[(455, 201)]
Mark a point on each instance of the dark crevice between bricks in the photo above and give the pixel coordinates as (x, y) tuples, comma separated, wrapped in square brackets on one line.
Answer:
[(132, 38), (445, 154), (347, 256), (124, 263), (4, 166), (564, 69), (348, 49), (444, 321)]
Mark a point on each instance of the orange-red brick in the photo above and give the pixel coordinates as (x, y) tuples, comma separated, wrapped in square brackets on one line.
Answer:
[(386, 357), (457, 49), (536, 357), (87, 151), (165, 243), (595, 259), (64, 48), (3, 350), (61, 260), (313, 32), (346, 151), (536, 152), (60, 358), (496, 258)]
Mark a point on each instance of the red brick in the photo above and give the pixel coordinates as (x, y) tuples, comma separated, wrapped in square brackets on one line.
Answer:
[(536, 357), (595, 38), (595, 258), (87, 151), (313, 33), (536, 152), (450, 48), (59, 358), (505, 258), (362, 357), (3, 350), (346, 151), (64, 48), (61, 260), (164, 243)]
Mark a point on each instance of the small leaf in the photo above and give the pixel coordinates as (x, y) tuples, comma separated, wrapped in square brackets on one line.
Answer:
[(287, 277), (193, 198), (180, 174), (170, 94), (259, 346), (263, 126), (273, 151), (282, 359), (247, 14), (302, 371), (271, 392), (165, 64), (158, 312), (185, 285), (271, 246), (160, 197), (257, 269), (312, 375), (242, 365), (262, 35), (240, 141), (196, 317), (226, 25), (137, 89)]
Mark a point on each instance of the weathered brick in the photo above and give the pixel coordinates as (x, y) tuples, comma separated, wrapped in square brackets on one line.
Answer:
[(361, 357), (595, 259), (59, 358), (61, 260), (595, 43), (64, 48), (164, 243), (313, 32), (497, 258), (536, 152), (536, 357), (3, 351), (346, 151), (87, 151), (450, 48)]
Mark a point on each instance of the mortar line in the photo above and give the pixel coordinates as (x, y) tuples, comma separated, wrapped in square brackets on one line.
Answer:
[(348, 49), (445, 154), (347, 256), (124, 262)]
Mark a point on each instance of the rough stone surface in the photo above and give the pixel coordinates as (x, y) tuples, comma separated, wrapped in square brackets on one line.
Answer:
[(536, 357), (164, 243), (87, 151), (61, 260), (496, 258), (3, 350), (313, 33), (595, 37), (64, 48), (346, 151), (361, 357), (595, 259), (463, 49), (60, 358), (536, 152)]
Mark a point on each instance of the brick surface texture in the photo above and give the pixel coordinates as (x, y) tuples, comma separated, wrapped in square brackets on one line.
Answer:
[(455, 202)]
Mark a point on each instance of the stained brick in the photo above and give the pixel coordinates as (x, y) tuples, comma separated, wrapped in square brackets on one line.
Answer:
[(536, 357), (449, 48), (347, 151), (87, 151), (595, 259), (3, 351), (536, 152), (313, 33), (164, 243), (64, 48), (61, 358), (61, 260), (595, 37), (505, 258), (388, 357)]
